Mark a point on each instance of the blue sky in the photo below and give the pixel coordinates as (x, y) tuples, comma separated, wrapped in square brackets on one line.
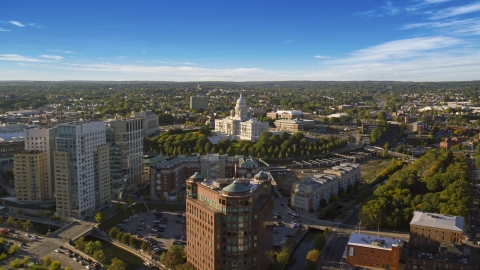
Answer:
[(165, 40)]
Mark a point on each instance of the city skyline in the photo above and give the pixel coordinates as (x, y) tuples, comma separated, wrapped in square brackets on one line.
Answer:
[(415, 40)]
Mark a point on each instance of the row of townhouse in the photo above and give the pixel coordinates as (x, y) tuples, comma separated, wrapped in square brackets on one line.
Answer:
[(307, 194)]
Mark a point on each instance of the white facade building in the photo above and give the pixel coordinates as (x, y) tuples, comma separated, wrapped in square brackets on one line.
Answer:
[(240, 125), (82, 171)]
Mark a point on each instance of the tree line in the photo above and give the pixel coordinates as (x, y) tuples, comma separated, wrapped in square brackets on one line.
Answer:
[(438, 182)]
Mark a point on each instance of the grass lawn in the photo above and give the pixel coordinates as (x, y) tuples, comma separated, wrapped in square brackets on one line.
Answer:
[(236, 147), (370, 169)]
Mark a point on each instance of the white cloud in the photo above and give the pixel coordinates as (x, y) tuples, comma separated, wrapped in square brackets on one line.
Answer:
[(61, 51), (159, 61), (17, 57), (435, 1), (455, 11), (457, 27), (321, 56), (288, 41), (386, 10), (19, 24), (4, 30), (36, 25), (400, 49), (53, 57)]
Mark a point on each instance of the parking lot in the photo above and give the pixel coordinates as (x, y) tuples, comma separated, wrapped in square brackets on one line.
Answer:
[(161, 229), (284, 224)]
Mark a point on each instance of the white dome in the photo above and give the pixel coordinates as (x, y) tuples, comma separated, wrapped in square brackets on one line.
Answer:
[(241, 102)]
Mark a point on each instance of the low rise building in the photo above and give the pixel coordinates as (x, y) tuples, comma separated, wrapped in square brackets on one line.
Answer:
[(436, 242), (198, 102), (294, 125), (429, 230), (375, 251), (348, 174), (449, 142), (306, 195), (293, 114)]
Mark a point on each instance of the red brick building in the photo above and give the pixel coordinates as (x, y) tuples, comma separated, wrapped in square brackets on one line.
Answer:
[(375, 252), (229, 222)]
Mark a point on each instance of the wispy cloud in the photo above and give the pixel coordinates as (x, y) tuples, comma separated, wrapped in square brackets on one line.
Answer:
[(456, 27), (426, 2), (159, 61), (321, 56), (18, 58), (36, 25), (385, 10), (4, 30), (52, 57), (401, 49), (455, 11), (61, 51), (288, 41), (19, 24)]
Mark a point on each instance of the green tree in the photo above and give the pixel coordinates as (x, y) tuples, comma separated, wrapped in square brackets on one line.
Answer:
[(185, 266), (10, 221), (80, 244), (173, 257), (313, 255), (56, 265), (47, 261), (27, 225), (125, 239), (320, 241), (3, 256), (99, 217), (100, 257), (283, 257), (25, 260), (113, 232), (117, 264), (92, 246), (14, 249), (15, 264), (145, 246), (128, 201)]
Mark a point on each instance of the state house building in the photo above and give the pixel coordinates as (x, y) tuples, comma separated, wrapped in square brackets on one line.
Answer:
[(229, 222)]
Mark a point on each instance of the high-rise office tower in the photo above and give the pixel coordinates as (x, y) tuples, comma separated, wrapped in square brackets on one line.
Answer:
[(43, 139), (125, 140), (81, 169), (30, 181), (229, 222)]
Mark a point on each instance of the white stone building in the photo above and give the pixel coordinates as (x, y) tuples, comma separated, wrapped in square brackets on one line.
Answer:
[(240, 124), (81, 169)]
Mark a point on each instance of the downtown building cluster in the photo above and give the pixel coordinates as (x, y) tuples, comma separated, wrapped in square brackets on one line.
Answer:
[(75, 169)]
